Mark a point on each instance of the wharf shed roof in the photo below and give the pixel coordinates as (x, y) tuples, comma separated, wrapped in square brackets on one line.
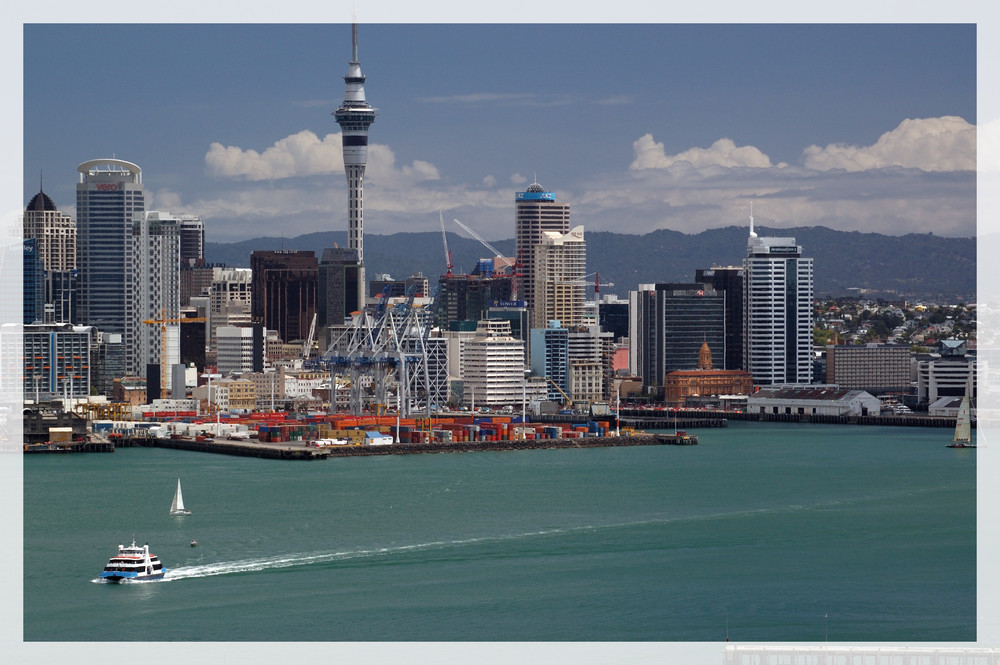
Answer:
[(826, 394)]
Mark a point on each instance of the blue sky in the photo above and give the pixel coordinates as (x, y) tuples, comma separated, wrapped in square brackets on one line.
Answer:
[(637, 126)]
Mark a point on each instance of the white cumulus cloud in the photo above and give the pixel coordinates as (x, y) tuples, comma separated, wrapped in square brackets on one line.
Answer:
[(652, 155), (297, 155), (305, 154), (930, 144)]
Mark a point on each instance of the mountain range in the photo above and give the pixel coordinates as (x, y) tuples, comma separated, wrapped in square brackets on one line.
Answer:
[(912, 266)]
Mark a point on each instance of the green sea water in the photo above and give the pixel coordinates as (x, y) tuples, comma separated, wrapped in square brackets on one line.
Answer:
[(762, 532)]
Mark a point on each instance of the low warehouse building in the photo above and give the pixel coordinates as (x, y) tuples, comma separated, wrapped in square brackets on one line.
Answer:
[(813, 400)]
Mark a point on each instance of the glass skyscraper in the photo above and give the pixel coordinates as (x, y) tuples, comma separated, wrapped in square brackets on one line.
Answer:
[(109, 198), (777, 311)]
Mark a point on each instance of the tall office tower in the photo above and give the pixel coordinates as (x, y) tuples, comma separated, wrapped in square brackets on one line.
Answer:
[(559, 261), (590, 370), (196, 280), (729, 282), (514, 311), (338, 289), (667, 327), (153, 293), (194, 335), (777, 311), (107, 362), (54, 235), (283, 291), (469, 297), (550, 358), (355, 116), (109, 197), (33, 286), (60, 296), (192, 240), (535, 212), (612, 316), (230, 299)]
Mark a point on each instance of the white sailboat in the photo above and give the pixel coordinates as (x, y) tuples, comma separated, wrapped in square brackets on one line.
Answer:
[(963, 427), (177, 505)]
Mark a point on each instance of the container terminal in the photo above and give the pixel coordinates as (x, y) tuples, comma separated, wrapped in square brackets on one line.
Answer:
[(283, 435)]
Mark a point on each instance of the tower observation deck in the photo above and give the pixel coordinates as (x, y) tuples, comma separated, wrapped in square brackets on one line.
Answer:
[(355, 116)]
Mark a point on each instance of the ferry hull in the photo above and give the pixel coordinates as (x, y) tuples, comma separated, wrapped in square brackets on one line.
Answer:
[(128, 577)]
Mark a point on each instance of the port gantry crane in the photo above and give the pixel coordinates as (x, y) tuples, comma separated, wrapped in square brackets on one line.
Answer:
[(307, 347), (383, 346)]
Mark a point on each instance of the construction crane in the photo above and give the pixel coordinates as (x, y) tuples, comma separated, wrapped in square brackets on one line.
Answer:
[(583, 282), (162, 322), (479, 238), (568, 402), (598, 285), (307, 347), (447, 252)]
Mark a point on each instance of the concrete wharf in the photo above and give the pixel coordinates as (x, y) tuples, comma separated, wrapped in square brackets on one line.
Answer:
[(299, 451), (687, 419)]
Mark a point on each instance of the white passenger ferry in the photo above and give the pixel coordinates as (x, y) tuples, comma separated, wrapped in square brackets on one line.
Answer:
[(133, 563)]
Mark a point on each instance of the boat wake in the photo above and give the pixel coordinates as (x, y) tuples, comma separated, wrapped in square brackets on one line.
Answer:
[(279, 561), (292, 560)]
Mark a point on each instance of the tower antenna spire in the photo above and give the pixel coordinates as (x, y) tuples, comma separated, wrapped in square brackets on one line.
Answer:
[(752, 233), (354, 40)]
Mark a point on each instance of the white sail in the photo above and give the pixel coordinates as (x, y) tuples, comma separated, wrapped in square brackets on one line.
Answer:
[(963, 424), (177, 505)]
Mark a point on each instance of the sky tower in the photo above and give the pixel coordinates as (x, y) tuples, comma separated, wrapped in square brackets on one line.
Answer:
[(354, 116)]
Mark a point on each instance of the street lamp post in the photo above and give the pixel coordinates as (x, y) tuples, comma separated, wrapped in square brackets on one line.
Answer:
[(524, 402), (618, 408)]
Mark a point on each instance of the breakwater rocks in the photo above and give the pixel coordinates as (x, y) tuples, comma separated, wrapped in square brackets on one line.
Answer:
[(298, 451)]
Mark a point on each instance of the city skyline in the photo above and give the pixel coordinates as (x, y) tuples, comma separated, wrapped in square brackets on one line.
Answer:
[(170, 177), (810, 122)]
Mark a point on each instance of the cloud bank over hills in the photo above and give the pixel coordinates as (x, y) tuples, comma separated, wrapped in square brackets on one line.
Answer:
[(918, 177)]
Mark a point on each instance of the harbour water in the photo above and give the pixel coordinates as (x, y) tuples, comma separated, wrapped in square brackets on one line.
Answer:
[(762, 532)]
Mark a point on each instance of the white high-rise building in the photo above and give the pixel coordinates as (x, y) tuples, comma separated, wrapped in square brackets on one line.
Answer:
[(229, 297), (236, 348), (493, 366), (559, 266), (778, 311), (153, 294)]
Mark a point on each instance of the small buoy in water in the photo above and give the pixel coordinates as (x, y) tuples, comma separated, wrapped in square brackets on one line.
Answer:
[(194, 543)]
